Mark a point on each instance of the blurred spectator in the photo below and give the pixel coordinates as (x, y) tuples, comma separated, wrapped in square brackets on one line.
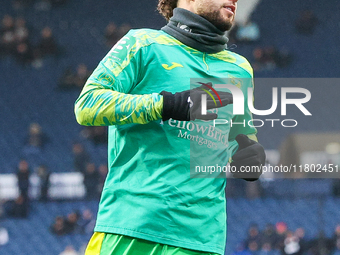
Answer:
[(71, 80), (111, 34), (306, 22), (269, 235), (36, 137), (254, 247), (67, 225), (7, 35), (266, 249), (23, 174), (87, 222), (4, 237), (261, 61), (253, 241), (69, 250), (241, 250), (47, 44), (66, 81), (44, 176), (21, 32), (18, 208), (71, 223), (269, 58), (24, 53), (80, 157), (24, 50), (281, 231), (97, 134), (248, 33), (91, 181), (276, 240), (58, 227), (300, 234), (320, 245), (7, 24), (15, 39), (291, 244), (81, 76)]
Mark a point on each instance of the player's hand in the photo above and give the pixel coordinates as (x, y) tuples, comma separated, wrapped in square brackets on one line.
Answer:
[(187, 105), (249, 154)]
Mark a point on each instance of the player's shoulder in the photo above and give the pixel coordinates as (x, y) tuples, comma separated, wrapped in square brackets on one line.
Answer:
[(147, 36), (134, 41), (235, 58)]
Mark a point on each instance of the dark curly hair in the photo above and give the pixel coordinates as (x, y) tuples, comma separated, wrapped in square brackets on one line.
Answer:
[(166, 7)]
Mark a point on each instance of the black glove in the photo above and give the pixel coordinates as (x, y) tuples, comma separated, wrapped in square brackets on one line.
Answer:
[(249, 153), (186, 105)]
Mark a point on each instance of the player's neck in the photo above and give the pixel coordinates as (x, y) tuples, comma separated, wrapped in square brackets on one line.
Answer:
[(195, 31)]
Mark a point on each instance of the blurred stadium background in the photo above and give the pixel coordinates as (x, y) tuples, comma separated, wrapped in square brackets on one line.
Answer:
[(35, 89)]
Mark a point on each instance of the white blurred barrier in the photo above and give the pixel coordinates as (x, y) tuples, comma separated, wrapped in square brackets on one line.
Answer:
[(62, 186)]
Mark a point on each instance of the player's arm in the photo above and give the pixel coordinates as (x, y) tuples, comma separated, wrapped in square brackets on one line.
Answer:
[(105, 98), (98, 105), (244, 146)]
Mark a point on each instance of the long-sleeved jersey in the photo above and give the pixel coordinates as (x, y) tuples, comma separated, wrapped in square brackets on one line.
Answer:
[(151, 191)]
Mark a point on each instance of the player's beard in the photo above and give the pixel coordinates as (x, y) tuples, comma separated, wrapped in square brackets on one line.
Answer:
[(214, 16)]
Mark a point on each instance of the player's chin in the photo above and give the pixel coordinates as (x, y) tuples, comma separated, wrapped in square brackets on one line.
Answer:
[(227, 26), (223, 23), (229, 20), (228, 23)]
